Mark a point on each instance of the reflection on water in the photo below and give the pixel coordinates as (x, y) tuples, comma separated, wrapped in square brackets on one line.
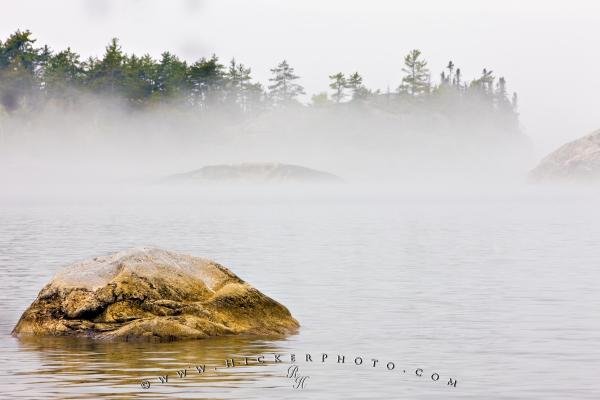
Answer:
[(81, 368)]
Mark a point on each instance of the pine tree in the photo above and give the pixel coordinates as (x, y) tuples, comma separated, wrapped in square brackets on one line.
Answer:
[(63, 66), (19, 49), (62, 71), (239, 85), (141, 79), (457, 78), (450, 68), (207, 79), (501, 94), (338, 84), (107, 74), (20, 65), (485, 83), (171, 79), (417, 80), (355, 84), (284, 90)]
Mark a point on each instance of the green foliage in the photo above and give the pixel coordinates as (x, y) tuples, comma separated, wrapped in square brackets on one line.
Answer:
[(108, 74), (63, 70), (206, 81), (141, 79), (416, 81), (338, 84), (485, 83), (284, 89), (171, 77), (320, 99), (355, 84), (240, 89), (30, 75), (20, 63), (18, 51)]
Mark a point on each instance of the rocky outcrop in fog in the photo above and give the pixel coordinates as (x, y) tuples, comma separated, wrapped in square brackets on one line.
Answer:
[(151, 294), (255, 173), (576, 161)]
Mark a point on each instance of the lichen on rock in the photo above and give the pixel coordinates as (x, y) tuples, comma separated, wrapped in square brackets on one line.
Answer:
[(152, 294)]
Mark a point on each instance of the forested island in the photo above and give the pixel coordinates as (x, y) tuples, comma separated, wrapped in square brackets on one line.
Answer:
[(31, 75), (47, 94)]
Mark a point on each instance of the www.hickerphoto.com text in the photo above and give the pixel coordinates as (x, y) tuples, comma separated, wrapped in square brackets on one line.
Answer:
[(306, 358)]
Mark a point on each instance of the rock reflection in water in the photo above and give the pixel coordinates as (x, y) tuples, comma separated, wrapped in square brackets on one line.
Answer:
[(70, 368)]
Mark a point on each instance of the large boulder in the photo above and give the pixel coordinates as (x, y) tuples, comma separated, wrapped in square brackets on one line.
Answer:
[(253, 173), (578, 160), (153, 294)]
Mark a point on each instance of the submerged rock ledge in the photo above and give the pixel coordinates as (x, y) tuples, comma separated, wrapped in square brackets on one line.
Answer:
[(152, 294)]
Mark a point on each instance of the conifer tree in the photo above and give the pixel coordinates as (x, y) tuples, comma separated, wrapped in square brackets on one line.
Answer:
[(485, 83), (107, 74), (62, 71), (355, 84), (417, 80), (141, 79), (239, 83), (502, 101), (338, 84), (457, 78), (171, 76), (284, 90), (450, 68), (19, 49), (206, 79), (20, 65)]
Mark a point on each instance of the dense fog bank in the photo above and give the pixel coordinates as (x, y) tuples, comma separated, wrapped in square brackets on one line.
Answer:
[(124, 118), (356, 143)]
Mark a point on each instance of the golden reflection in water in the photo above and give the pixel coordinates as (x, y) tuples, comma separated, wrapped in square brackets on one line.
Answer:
[(67, 368)]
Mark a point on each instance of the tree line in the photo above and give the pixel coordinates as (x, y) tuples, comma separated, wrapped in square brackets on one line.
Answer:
[(32, 75)]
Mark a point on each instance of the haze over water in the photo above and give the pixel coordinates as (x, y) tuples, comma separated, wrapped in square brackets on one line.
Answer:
[(495, 290)]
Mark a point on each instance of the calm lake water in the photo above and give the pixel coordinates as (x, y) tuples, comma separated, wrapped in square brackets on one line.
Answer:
[(497, 291)]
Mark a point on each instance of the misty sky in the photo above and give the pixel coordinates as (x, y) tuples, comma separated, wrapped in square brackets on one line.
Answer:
[(549, 51)]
